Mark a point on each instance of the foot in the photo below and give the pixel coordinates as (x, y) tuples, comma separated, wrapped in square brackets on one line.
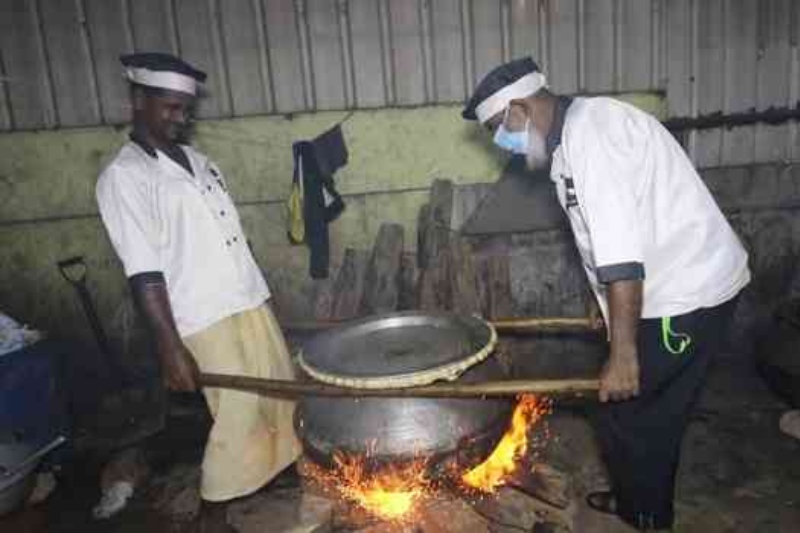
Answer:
[(602, 501), (213, 518)]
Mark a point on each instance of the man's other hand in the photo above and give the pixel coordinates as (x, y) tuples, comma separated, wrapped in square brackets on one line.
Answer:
[(619, 379), (181, 373)]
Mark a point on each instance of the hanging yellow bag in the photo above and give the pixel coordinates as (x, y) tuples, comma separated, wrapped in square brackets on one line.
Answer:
[(296, 227)]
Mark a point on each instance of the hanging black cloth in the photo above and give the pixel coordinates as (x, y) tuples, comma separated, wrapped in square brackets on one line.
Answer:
[(315, 162), (330, 150)]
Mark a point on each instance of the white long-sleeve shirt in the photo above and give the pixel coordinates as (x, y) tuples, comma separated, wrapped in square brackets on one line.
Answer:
[(161, 218), (639, 210)]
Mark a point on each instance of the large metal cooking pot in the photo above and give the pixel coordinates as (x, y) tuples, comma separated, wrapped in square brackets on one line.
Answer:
[(409, 345)]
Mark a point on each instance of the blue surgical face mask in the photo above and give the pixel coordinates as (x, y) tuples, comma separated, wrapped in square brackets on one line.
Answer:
[(513, 141), (516, 142)]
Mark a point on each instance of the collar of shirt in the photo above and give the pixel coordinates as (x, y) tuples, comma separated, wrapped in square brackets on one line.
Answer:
[(178, 155), (554, 135), (136, 136)]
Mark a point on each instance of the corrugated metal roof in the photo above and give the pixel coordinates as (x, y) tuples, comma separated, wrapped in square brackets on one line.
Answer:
[(59, 68)]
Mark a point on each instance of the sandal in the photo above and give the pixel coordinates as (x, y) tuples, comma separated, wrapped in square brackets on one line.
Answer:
[(602, 501)]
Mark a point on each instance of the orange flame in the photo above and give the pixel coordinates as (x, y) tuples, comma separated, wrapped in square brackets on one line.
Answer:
[(393, 491), (390, 493), (491, 474)]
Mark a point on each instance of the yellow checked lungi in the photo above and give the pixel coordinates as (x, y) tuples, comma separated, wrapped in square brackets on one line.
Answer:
[(252, 438)]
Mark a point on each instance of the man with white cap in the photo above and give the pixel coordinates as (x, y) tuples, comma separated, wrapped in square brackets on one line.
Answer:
[(175, 228), (664, 264)]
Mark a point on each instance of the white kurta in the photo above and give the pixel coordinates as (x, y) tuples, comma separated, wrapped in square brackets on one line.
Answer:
[(638, 208), (161, 218)]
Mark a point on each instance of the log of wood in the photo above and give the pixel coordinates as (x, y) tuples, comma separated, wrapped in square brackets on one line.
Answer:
[(347, 516), (463, 288), (544, 482), (433, 287), (348, 289), (509, 509), (423, 218), (275, 387), (448, 513), (441, 513), (381, 285), (434, 223), (497, 280), (409, 275)]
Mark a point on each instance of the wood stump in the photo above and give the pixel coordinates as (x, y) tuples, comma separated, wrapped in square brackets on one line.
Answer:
[(433, 287), (494, 282), (433, 223), (409, 276), (381, 283), (348, 289), (464, 288), (445, 273)]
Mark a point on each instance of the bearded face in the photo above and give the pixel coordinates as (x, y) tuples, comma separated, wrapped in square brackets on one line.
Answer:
[(536, 156), (515, 132)]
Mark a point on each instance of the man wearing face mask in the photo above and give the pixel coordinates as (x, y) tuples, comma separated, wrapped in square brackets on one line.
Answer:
[(665, 266), (176, 229)]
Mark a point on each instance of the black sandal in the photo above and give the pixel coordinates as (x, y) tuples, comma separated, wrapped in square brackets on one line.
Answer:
[(602, 501)]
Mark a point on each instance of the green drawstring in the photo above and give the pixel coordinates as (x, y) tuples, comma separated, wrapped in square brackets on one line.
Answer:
[(667, 335)]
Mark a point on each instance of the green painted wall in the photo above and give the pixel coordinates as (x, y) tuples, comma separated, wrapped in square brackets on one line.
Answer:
[(48, 208)]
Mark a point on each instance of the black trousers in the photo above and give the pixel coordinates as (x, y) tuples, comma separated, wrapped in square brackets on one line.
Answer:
[(641, 438)]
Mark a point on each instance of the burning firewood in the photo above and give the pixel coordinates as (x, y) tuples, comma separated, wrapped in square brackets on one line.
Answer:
[(542, 481), (509, 509), (505, 493)]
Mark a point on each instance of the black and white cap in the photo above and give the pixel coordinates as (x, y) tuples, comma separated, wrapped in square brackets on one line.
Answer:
[(162, 71), (513, 80)]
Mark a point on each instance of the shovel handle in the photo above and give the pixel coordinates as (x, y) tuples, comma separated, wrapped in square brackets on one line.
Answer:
[(34, 457), (73, 269)]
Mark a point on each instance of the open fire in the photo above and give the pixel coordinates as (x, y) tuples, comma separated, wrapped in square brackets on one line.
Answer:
[(390, 493), (394, 491), (490, 474)]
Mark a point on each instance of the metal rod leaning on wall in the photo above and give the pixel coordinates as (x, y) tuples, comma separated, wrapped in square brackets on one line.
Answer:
[(771, 115), (573, 388)]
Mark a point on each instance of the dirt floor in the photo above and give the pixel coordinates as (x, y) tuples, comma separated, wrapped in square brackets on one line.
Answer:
[(738, 473)]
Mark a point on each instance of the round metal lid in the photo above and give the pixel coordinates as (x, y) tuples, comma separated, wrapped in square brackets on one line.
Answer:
[(398, 349)]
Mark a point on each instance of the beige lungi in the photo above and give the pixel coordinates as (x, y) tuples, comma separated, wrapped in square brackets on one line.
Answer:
[(252, 438)]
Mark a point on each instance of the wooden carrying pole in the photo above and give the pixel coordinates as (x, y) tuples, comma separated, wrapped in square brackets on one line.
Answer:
[(552, 325), (504, 325), (273, 387)]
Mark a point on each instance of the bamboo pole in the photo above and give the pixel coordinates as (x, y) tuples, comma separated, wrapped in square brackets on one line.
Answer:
[(273, 387), (503, 325), (546, 324)]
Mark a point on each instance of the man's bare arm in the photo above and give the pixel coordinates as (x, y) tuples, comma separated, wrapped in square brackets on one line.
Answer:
[(178, 365), (619, 379)]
